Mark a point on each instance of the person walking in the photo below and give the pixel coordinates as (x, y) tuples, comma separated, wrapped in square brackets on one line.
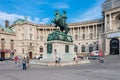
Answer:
[(59, 60), (56, 61), (16, 61), (24, 63), (101, 60), (28, 60)]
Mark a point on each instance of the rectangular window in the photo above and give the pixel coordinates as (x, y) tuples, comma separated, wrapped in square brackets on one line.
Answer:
[(83, 49), (91, 36), (37, 37), (12, 44), (90, 49), (83, 36), (41, 49), (23, 35), (67, 48), (31, 35), (2, 43), (41, 38), (30, 29), (76, 37), (2, 39)]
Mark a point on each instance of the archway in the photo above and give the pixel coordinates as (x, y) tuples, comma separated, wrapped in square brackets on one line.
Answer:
[(30, 55), (114, 46)]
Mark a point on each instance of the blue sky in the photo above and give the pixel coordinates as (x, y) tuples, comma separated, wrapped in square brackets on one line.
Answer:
[(42, 11)]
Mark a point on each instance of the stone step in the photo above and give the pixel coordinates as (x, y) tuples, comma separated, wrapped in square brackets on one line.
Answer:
[(62, 63)]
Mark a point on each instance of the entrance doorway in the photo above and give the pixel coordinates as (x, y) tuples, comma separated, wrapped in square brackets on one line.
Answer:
[(114, 46), (30, 55), (3, 55)]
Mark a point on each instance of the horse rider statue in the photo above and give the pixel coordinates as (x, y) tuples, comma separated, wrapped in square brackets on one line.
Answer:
[(60, 20)]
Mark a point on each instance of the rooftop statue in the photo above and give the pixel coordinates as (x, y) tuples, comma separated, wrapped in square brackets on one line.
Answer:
[(60, 21)]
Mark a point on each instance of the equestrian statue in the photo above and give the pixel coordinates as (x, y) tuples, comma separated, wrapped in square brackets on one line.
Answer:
[(60, 21)]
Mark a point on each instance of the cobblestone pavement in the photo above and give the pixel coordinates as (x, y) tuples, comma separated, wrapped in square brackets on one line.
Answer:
[(92, 71)]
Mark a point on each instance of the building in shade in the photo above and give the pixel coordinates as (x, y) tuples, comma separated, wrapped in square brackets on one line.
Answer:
[(28, 39)]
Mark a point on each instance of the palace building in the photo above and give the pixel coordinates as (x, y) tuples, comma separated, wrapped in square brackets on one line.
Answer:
[(28, 39)]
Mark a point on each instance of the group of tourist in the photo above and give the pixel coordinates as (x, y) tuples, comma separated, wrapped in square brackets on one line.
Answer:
[(24, 62), (57, 60)]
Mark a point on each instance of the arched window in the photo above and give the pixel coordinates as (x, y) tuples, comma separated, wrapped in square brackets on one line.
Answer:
[(83, 48), (90, 48), (114, 46)]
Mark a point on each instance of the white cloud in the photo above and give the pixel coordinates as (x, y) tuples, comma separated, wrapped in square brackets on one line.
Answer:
[(43, 21), (93, 13), (60, 5), (46, 20), (12, 17)]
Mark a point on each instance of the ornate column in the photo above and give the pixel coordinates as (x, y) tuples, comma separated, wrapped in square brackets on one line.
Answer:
[(77, 33), (80, 33), (44, 34), (73, 33), (85, 32), (88, 32), (96, 31), (110, 21), (70, 31), (102, 27), (105, 22)]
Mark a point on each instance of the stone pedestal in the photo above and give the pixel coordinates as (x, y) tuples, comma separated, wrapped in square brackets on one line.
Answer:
[(62, 49)]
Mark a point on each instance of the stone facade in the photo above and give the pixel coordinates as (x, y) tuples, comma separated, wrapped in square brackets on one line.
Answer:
[(110, 38), (30, 39), (7, 43)]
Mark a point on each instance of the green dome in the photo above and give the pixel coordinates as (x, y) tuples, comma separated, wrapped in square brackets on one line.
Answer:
[(19, 21), (8, 30)]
